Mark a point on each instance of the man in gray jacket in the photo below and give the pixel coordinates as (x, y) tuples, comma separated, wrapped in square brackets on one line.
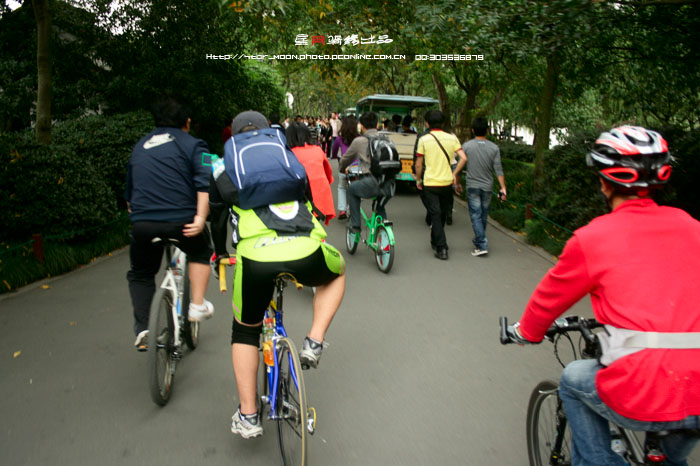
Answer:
[(483, 159), (366, 186)]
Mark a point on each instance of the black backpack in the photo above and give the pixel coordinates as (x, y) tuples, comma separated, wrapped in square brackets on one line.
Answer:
[(384, 158)]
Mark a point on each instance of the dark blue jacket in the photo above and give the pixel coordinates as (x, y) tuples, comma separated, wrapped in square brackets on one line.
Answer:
[(165, 172)]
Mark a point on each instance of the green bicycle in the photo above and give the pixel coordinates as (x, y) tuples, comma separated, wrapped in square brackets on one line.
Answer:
[(379, 236)]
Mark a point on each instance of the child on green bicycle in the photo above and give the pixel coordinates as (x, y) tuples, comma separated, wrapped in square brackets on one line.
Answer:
[(270, 240)]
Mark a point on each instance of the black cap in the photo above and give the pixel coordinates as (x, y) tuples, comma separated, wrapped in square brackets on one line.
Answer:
[(248, 118)]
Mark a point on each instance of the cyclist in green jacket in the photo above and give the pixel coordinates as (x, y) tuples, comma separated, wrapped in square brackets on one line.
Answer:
[(271, 240)]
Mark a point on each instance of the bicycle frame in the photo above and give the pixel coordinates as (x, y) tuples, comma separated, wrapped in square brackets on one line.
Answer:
[(275, 310), (372, 223), (169, 284)]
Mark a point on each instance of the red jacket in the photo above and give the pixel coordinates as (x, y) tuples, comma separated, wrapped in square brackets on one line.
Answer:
[(320, 174), (641, 266)]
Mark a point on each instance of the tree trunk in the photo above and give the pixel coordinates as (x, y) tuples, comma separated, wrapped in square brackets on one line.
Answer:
[(43, 100), (544, 118), (463, 129), (443, 98)]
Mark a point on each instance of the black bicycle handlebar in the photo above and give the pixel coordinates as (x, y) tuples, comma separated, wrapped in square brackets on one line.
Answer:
[(505, 337), (560, 326)]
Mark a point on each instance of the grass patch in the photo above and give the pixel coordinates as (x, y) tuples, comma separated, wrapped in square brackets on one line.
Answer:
[(20, 267)]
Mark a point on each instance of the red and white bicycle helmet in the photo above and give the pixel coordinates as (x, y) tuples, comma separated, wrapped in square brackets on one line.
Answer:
[(631, 157)]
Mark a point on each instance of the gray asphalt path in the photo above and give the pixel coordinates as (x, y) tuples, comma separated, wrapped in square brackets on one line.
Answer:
[(414, 374)]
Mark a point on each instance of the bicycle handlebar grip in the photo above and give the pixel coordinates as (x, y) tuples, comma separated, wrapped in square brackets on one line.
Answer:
[(223, 262), (222, 276), (504, 331)]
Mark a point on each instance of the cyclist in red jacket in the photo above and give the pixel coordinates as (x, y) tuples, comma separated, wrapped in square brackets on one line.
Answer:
[(641, 266)]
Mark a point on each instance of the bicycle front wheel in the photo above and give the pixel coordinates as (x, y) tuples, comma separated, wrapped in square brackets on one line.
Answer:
[(291, 407), (161, 338), (548, 433), (385, 250)]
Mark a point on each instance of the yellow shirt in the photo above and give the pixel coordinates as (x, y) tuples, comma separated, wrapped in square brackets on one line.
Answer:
[(437, 172)]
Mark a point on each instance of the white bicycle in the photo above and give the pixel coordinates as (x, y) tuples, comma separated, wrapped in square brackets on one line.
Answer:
[(168, 325)]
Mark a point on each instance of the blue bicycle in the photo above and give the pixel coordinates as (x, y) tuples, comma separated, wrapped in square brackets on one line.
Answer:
[(283, 390)]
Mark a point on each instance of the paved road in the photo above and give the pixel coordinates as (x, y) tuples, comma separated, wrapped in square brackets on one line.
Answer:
[(414, 374)]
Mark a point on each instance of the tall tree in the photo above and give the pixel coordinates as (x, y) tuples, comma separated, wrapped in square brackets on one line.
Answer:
[(42, 14)]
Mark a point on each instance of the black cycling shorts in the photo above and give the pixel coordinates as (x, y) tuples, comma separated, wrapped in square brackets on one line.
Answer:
[(256, 280)]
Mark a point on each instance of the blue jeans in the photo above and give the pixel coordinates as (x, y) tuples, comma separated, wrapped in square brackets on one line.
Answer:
[(588, 417), (364, 188), (479, 202), (342, 192)]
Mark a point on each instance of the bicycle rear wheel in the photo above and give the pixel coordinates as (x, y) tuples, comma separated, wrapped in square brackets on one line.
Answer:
[(291, 407), (190, 330), (548, 433), (351, 240), (385, 250), (161, 337)]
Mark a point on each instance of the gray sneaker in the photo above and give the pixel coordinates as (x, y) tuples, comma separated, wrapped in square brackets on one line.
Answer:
[(310, 353), (479, 252), (247, 426)]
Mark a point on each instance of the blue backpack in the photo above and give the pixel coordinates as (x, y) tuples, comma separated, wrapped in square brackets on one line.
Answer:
[(263, 169)]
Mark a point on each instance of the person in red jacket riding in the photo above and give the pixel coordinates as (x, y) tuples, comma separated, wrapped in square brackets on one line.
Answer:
[(641, 266)]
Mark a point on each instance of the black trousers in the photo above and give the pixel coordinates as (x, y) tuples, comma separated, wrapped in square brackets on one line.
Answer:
[(147, 256), (438, 202)]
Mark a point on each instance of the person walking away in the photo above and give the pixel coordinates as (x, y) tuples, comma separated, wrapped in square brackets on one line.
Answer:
[(318, 169), (335, 129), (435, 152), (275, 123), (270, 240), (167, 197), (348, 133), (367, 186), (314, 131), (645, 292), (484, 159)]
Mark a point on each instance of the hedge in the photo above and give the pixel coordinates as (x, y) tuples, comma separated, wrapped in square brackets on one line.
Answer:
[(75, 183)]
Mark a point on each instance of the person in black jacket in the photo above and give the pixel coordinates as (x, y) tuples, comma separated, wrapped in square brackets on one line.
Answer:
[(167, 193)]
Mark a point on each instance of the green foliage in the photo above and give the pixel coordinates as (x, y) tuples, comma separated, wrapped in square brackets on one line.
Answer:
[(570, 191), (519, 180), (544, 234), (50, 191), (77, 76), (72, 185), (19, 267), (515, 151), (683, 190), (105, 142)]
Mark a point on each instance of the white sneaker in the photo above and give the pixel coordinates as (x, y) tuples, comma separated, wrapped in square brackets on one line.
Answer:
[(141, 342), (246, 426), (200, 312), (479, 252)]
